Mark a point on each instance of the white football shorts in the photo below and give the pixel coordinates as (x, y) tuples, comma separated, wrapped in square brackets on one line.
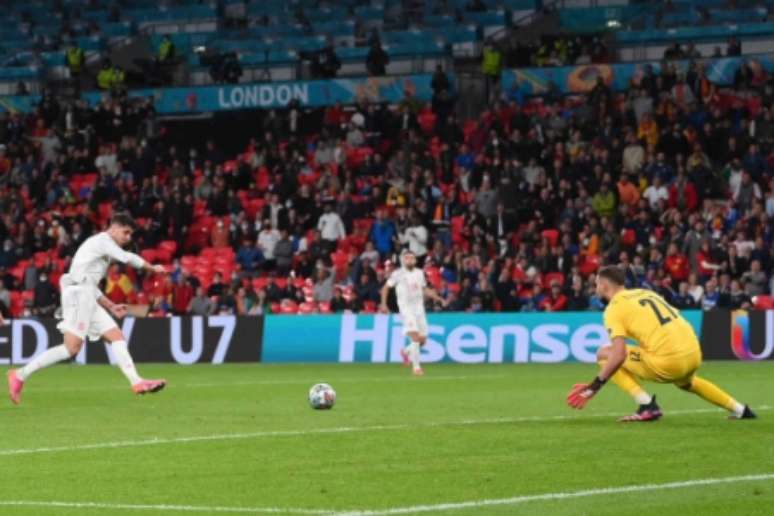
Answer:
[(414, 321), (81, 315)]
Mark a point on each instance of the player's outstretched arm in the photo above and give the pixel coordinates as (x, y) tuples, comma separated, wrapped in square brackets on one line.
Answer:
[(115, 252), (155, 269), (383, 293), (435, 296), (117, 310), (581, 393)]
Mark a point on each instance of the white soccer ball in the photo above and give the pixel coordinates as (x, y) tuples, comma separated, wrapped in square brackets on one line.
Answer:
[(322, 396)]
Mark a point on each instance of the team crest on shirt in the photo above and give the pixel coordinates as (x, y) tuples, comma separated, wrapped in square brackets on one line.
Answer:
[(81, 326)]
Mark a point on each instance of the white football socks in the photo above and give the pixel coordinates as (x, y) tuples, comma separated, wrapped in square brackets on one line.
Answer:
[(643, 398), (49, 357), (738, 409), (124, 360), (414, 355)]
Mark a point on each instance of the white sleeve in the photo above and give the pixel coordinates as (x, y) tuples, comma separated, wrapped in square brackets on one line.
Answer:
[(422, 236), (111, 249), (340, 226), (98, 294), (393, 279)]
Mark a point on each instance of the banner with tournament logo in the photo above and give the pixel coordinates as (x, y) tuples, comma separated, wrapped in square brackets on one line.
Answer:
[(620, 76), (738, 335), (272, 95)]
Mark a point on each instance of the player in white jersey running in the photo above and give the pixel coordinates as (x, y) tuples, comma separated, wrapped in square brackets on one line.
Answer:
[(85, 308), (410, 290)]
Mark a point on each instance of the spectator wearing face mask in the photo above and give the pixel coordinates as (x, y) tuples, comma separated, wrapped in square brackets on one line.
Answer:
[(46, 297)]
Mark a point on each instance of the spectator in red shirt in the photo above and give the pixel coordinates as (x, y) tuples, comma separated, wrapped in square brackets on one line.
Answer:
[(182, 294), (555, 301), (682, 194), (706, 265), (676, 264)]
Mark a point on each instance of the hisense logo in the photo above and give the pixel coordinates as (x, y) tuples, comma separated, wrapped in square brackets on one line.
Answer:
[(741, 341), (383, 338)]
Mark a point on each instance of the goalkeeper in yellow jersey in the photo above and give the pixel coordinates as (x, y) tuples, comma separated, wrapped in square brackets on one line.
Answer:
[(667, 351)]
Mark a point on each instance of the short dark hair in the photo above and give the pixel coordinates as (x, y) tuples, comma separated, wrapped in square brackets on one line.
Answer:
[(123, 219), (612, 273)]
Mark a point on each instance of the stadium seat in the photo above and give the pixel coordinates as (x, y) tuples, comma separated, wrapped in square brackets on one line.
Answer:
[(288, 306), (307, 308), (149, 255), (169, 245), (590, 264), (551, 235), (553, 277), (763, 302)]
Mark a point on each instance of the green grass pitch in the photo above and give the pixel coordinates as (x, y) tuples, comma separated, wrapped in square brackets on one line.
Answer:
[(242, 438)]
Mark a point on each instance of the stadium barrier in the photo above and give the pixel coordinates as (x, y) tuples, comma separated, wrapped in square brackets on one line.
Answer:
[(582, 78), (198, 99), (456, 338), (181, 340)]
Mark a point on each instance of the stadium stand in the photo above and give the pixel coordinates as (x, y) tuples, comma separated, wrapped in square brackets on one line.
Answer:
[(512, 209)]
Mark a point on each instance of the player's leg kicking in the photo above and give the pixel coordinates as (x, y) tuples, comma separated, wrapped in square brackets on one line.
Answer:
[(82, 316), (415, 328), (679, 371)]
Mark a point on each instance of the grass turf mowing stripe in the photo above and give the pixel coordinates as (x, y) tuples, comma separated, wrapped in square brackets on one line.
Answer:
[(313, 431), (158, 507), (301, 381), (700, 482), (561, 495)]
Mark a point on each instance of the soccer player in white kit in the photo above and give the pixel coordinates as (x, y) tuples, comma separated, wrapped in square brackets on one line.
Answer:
[(411, 289), (85, 308)]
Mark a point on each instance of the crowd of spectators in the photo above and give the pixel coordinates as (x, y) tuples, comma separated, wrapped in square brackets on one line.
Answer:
[(512, 211), (557, 50)]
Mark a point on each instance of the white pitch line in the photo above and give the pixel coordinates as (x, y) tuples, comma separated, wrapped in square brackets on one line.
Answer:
[(318, 431), (560, 495), (473, 504), (160, 507)]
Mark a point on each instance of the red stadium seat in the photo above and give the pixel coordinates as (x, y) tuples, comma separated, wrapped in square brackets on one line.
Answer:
[(149, 255), (169, 245), (553, 277), (188, 261), (288, 306), (364, 225), (260, 283), (209, 253), (324, 307), (628, 237), (763, 302), (590, 264), (40, 259), (163, 256), (307, 308), (552, 235)]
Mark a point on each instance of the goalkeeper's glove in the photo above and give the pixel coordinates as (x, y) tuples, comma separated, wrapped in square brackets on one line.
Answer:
[(582, 393)]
